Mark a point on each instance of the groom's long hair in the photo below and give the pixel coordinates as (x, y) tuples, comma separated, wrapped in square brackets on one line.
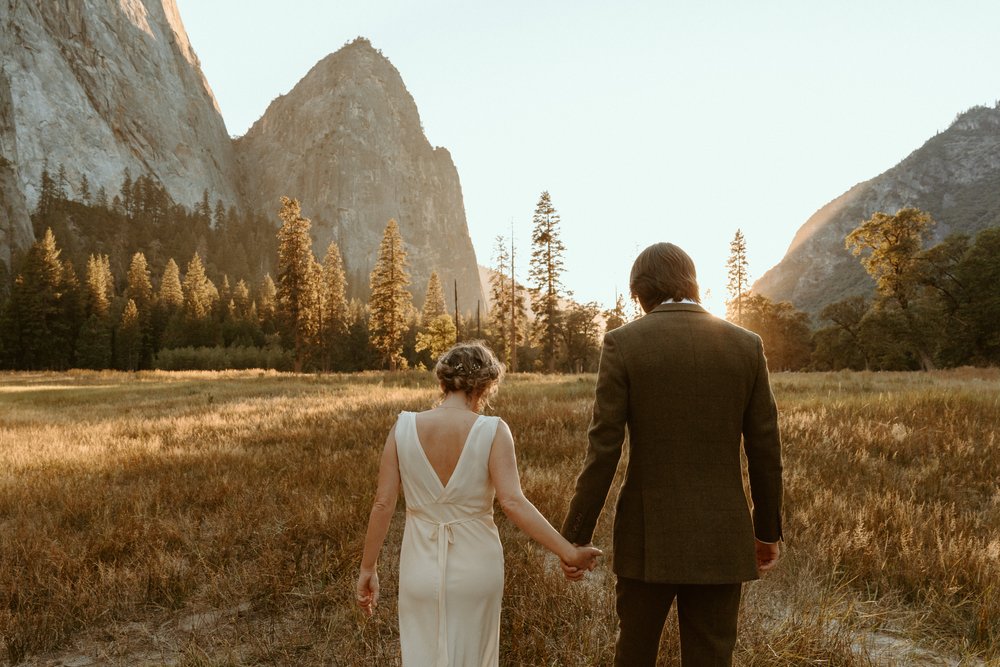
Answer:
[(663, 272)]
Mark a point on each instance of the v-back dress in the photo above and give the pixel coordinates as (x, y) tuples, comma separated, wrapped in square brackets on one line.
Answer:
[(451, 561)]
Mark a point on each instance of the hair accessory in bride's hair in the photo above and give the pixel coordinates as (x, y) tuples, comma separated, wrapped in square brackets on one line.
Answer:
[(471, 368)]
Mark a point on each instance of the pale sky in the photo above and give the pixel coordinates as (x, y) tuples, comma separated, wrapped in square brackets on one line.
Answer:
[(647, 121)]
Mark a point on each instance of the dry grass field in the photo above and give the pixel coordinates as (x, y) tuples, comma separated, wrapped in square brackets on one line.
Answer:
[(216, 519)]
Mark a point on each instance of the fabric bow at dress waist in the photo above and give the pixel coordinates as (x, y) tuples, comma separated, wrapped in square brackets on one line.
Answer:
[(442, 531)]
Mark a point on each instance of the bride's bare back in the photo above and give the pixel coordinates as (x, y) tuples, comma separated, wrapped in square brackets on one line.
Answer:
[(443, 433)]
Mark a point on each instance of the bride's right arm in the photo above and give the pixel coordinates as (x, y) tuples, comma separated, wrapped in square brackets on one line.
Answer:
[(524, 515), (378, 523)]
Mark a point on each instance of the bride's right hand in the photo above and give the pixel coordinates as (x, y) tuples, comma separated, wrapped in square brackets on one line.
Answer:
[(582, 558), (367, 591)]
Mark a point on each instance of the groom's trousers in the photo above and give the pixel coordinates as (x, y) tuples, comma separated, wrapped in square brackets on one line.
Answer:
[(706, 614)]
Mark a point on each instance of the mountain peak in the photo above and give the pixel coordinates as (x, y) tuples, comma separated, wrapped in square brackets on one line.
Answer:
[(361, 42), (977, 118), (359, 52), (347, 142), (954, 176)]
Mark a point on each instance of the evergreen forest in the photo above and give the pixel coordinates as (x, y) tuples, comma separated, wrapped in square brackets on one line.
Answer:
[(132, 280)]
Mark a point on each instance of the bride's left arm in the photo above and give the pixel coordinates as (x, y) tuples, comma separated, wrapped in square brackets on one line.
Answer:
[(378, 524)]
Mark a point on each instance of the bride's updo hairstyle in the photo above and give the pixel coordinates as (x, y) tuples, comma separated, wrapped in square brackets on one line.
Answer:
[(472, 369)]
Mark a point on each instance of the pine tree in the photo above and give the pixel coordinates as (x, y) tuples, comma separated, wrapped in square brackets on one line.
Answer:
[(335, 310), (438, 336), (267, 304), (85, 190), (47, 194), (240, 323), (252, 316), (171, 294), (225, 294), (507, 304), (140, 195), (390, 302), (109, 278), (219, 219), (241, 299), (139, 289), (434, 304), (739, 277), (203, 209), (500, 315), (98, 292), (128, 341), (71, 306), (545, 272), (94, 347), (192, 324), (314, 307), (62, 182), (359, 354), (38, 336), (168, 303), (139, 286), (200, 294), (124, 195), (518, 312), (298, 295)]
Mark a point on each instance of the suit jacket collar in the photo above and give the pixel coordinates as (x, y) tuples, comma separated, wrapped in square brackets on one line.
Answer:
[(670, 307)]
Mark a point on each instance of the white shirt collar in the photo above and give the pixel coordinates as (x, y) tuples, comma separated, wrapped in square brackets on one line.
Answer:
[(695, 303)]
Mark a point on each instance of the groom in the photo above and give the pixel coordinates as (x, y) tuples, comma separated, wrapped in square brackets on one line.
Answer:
[(688, 386)]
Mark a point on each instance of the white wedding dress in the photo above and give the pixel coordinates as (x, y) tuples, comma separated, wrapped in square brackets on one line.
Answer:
[(451, 562)]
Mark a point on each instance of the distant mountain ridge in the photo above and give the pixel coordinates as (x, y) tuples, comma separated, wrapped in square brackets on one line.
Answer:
[(955, 176)]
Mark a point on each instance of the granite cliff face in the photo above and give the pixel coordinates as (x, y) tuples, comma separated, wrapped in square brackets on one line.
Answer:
[(15, 226), (955, 176), (101, 86), (347, 142)]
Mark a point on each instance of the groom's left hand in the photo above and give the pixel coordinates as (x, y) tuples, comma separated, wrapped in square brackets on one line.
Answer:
[(574, 573)]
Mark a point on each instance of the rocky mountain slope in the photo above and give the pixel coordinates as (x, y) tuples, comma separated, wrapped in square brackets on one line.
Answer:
[(107, 85), (955, 176), (347, 142), (15, 227), (101, 86)]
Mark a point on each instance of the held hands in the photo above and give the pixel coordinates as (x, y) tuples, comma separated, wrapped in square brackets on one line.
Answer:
[(579, 561), (767, 556), (367, 591)]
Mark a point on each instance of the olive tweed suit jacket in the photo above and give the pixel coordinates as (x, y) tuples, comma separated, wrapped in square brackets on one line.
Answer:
[(688, 386)]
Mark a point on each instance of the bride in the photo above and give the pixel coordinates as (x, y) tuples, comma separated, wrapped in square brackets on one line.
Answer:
[(450, 461)]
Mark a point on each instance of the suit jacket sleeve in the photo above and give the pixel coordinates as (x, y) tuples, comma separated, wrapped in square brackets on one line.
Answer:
[(762, 445), (606, 436)]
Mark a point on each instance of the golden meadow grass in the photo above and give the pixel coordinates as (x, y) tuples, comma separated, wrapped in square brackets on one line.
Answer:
[(217, 519)]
